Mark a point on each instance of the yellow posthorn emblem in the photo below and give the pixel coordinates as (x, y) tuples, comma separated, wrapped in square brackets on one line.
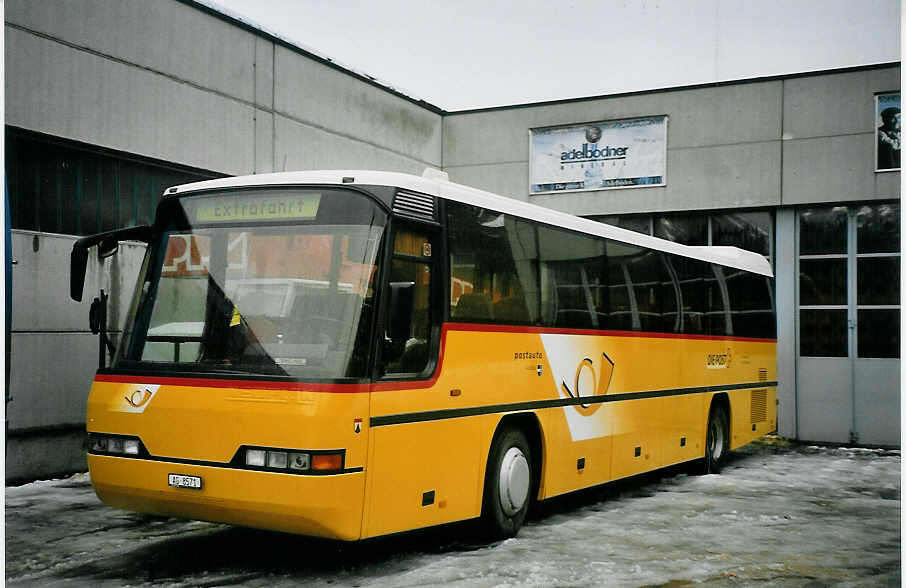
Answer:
[(599, 383), (139, 398), (134, 398), (236, 317)]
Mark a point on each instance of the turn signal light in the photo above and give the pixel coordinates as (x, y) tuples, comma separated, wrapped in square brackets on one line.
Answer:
[(327, 461)]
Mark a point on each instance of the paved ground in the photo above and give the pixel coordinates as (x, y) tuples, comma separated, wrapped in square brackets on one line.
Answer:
[(778, 515)]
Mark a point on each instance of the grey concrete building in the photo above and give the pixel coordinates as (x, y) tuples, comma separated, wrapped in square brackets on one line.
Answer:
[(110, 101)]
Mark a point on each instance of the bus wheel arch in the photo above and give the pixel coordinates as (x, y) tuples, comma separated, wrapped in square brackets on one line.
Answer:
[(512, 474), (717, 434)]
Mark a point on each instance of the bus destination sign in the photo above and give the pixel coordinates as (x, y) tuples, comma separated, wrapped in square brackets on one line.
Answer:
[(255, 208)]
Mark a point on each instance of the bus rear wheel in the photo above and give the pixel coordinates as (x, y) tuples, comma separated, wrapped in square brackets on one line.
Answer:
[(717, 441), (508, 483)]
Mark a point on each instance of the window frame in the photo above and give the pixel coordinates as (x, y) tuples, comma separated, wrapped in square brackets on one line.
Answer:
[(437, 315)]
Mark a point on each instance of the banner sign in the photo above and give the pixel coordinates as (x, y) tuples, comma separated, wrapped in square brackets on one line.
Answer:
[(887, 125), (598, 155)]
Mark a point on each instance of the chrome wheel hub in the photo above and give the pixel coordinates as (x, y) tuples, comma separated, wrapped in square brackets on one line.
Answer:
[(717, 439), (514, 481)]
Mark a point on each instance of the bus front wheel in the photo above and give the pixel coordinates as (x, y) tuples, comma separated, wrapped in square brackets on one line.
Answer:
[(508, 483), (717, 442)]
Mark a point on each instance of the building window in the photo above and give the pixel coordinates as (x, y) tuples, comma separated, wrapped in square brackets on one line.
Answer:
[(878, 280), (747, 230), (688, 229), (849, 281), (823, 282), (751, 230), (638, 223), (60, 186)]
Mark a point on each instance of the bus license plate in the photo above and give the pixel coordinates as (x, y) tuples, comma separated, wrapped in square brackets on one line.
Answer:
[(180, 481)]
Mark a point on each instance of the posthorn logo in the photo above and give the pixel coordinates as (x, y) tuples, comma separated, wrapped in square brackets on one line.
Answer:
[(139, 398), (136, 397), (590, 382)]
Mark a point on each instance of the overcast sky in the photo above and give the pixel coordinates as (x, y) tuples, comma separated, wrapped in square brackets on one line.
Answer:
[(478, 53)]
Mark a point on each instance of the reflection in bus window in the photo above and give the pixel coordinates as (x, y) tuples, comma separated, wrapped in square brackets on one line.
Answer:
[(752, 304), (647, 272), (493, 267), (503, 269), (718, 314)]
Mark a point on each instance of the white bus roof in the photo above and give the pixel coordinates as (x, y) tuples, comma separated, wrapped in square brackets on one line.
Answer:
[(436, 183)]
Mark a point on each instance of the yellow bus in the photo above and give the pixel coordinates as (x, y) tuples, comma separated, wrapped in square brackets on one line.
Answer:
[(350, 354)]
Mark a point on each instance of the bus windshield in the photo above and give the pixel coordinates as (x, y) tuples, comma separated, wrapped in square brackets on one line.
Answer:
[(270, 282)]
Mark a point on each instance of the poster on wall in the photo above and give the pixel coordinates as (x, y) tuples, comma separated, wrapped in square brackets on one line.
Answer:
[(598, 155), (887, 121)]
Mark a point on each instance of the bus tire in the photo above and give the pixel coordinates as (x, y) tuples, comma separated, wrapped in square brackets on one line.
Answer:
[(717, 440), (508, 484)]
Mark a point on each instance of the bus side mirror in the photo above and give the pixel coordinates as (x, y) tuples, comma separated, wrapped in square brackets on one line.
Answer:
[(108, 244)]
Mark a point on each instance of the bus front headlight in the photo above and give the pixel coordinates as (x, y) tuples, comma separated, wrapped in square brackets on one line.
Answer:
[(255, 457)]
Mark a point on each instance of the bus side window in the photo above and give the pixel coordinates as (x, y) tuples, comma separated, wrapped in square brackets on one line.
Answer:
[(673, 302), (719, 318), (407, 328)]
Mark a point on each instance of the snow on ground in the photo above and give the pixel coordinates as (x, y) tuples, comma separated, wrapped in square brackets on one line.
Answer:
[(787, 516)]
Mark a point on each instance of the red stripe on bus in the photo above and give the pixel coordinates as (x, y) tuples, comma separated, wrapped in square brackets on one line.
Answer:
[(488, 328), (230, 383)]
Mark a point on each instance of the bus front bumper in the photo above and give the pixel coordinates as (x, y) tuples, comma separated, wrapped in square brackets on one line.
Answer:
[(321, 506)]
